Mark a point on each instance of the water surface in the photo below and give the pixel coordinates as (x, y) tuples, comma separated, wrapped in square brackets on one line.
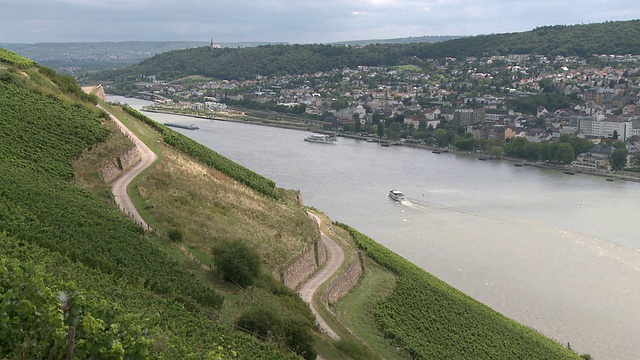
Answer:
[(556, 252)]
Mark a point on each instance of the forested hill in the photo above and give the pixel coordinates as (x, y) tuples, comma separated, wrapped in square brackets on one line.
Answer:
[(621, 37)]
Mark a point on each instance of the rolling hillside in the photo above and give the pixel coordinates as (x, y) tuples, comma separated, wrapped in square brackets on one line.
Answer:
[(621, 37), (74, 267), (70, 259)]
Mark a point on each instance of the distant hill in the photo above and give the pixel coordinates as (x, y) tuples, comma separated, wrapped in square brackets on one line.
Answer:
[(405, 40), (80, 57), (622, 37)]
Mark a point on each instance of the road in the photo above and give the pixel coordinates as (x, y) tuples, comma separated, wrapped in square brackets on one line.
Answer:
[(335, 254), (335, 258), (119, 186)]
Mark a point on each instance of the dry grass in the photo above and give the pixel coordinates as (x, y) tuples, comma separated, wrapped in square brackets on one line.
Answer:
[(87, 167), (208, 207)]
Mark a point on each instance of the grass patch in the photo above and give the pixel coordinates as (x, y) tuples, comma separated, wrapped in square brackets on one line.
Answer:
[(356, 308), (87, 167), (208, 207)]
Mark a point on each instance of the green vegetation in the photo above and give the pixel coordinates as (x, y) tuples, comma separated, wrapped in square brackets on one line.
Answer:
[(563, 151), (615, 37), (125, 297), (115, 318), (237, 262), (209, 157), (265, 322), (432, 320), (12, 58), (356, 309), (550, 101), (622, 37)]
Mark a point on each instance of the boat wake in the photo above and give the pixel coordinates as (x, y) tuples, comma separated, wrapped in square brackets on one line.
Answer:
[(412, 205), (602, 248), (431, 207)]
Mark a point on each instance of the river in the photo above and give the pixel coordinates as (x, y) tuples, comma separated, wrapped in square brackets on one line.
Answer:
[(556, 252)]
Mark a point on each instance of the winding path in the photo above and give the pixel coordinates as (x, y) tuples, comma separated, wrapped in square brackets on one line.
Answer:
[(335, 254), (119, 186), (335, 258)]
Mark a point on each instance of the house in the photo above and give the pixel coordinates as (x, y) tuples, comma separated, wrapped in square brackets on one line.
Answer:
[(597, 158)]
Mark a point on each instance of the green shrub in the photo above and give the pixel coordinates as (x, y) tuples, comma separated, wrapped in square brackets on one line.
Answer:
[(174, 235), (299, 338), (237, 262), (354, 349), (262, 322)]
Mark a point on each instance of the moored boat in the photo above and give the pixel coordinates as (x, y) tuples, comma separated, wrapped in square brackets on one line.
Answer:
[(182, 126), (319, 138)]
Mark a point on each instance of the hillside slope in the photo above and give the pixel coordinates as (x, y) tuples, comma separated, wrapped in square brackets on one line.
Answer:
[(622, 37), (89, 270)]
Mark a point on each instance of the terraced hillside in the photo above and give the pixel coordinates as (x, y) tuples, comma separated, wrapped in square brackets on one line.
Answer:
[(72, 263)]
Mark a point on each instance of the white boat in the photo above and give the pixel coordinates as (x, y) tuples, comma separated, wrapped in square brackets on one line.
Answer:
[(318, 138), (396, 195)]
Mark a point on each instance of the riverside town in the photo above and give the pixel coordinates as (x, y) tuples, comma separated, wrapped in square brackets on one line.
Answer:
[(533, 107)]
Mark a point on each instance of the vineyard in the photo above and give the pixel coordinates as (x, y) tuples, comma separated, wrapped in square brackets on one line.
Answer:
[(432, 320), (209, 157), (12, 58), (70, 261), (105, 309)]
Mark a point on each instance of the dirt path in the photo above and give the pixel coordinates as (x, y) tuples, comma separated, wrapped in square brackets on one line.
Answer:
[(119, 186), (335, 258)]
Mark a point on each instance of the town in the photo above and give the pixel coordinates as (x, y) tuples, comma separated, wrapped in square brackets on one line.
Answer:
[(481, 105)]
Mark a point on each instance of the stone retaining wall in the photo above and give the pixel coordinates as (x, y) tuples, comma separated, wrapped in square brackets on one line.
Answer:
[(346, 281), (116, 166), (300, 268)]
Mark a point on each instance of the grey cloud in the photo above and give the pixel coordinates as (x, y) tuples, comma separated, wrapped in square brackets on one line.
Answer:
[(300, 21)]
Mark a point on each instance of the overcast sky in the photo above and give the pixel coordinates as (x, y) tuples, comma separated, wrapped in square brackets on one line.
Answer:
[(293, 21)]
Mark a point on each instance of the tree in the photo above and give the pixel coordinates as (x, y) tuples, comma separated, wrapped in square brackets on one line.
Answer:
[(619, 158), (496, 152), (393, 132), (380, 130), (237, 262), (564, 153), (615, 135), (357, 125)]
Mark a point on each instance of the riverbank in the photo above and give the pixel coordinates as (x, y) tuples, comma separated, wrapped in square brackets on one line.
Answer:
[(541, 165)]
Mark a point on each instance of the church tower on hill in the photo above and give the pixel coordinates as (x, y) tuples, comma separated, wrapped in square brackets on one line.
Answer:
[(213, 45)]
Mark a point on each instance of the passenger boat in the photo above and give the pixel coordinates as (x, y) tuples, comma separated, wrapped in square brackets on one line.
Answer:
[(182, 126), (396, 195), (319, 138)]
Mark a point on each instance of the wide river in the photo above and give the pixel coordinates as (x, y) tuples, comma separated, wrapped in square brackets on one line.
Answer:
[(556, 252)]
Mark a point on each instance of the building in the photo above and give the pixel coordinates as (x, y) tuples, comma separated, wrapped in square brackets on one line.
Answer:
[(597, 158), (468, 117), (590, 126)]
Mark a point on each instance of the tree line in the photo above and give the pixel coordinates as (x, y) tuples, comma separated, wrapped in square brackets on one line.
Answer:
[(622, 37)]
